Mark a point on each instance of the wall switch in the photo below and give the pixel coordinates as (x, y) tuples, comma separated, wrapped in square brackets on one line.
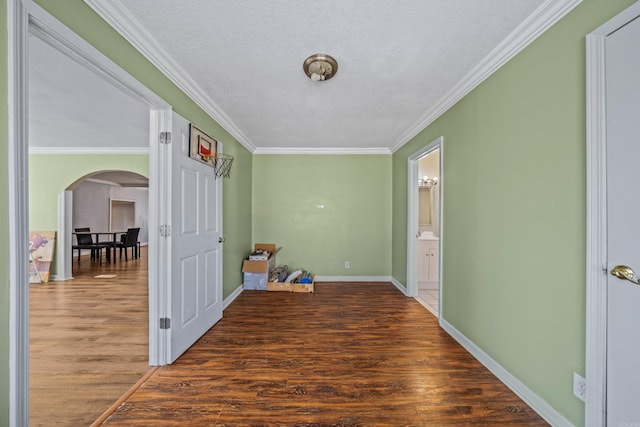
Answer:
[(579, 387), (347, 264)]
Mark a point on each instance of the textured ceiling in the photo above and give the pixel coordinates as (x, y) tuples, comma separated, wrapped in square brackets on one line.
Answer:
[(397, 61)]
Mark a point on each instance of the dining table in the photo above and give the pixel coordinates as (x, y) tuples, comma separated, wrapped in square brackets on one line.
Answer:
[(112, 238)]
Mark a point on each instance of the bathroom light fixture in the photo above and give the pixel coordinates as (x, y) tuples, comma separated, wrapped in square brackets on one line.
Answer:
[(428, 182), (320, 67)]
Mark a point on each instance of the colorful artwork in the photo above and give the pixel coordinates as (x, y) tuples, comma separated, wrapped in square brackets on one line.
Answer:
[(41, 245)]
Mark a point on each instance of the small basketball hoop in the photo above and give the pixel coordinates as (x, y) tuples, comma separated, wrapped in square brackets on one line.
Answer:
[(222, 164)]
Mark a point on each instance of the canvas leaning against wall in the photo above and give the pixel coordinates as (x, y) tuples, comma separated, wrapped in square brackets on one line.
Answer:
[(41, 245)]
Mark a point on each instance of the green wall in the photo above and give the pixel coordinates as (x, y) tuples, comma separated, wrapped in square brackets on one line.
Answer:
[(237, 190), (514, 210), (49, 175), (354, 225), (4, 223)]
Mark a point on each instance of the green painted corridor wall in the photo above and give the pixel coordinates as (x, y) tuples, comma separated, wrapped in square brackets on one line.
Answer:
[(353, 225), (514, 210)]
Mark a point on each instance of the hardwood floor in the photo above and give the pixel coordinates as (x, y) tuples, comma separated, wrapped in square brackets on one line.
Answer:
[(349, 354), (88, 341)]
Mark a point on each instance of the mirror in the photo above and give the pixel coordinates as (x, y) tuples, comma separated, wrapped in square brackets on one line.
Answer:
[(425, 205)]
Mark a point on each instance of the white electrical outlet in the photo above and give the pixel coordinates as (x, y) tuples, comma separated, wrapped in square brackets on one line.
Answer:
[(347, 264), (579, 387)]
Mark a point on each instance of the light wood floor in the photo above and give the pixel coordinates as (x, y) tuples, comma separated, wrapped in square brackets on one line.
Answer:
[(88, 341), (350, 354)]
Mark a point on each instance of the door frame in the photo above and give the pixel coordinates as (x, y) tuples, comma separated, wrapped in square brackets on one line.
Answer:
[(24, 16), (596, 257), (412, 218)]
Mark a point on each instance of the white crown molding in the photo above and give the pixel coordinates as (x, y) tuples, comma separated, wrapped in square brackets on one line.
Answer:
[(550, 12), (116, 15), (536, 403), (88, 150), (334, 150)]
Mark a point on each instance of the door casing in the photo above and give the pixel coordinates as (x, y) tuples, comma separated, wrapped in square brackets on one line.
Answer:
[(412, 218)]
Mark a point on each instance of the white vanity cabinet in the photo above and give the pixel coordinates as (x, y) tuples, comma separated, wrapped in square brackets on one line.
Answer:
[(428, 262)]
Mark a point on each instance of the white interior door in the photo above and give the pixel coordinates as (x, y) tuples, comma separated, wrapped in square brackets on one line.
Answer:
[(623, 224), (195, 252)]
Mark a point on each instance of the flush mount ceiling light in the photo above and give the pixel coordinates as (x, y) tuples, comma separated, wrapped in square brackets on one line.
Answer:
[(320, 67)]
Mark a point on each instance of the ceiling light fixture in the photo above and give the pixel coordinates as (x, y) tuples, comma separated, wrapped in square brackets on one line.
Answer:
[(320, 67)]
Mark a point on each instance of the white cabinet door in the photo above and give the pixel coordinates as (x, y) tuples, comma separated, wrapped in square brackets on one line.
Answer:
[(433, 264)]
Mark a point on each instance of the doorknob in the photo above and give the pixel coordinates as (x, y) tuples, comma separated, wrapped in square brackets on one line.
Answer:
[(220, 239), (625, 273)]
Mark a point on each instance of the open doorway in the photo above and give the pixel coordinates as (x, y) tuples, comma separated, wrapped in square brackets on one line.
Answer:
[(89, 326), (429, 231), (424, 226)]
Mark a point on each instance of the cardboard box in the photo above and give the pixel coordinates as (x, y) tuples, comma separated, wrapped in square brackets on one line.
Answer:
[(255, 281), (256, 273)]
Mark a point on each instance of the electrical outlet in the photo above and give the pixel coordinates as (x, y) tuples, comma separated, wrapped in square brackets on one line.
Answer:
[(347, 264), (579, 387)]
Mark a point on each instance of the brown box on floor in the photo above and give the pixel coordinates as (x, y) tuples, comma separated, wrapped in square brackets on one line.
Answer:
[(256, 273)]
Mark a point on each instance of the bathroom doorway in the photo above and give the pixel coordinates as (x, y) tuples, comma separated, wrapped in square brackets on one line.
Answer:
[(429, 231), (424, 228)]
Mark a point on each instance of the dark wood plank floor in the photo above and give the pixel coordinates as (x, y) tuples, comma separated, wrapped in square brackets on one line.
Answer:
[(350, 354), (88, 341)]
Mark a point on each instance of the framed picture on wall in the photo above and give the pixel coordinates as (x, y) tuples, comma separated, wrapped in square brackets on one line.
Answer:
[(202, 147)]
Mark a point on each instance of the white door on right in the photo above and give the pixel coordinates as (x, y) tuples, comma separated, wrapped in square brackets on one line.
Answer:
[(623, 224)]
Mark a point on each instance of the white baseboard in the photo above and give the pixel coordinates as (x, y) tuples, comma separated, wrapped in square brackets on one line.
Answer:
[(352, 279), (536, 403), (228, 300), (57, 278), (400, 286), (385, 279)]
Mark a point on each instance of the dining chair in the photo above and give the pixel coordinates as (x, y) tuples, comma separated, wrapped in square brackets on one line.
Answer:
[(85, 241), (130, 240)]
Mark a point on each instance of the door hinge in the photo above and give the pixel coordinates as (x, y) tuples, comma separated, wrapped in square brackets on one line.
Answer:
[(165, 230), (165, 323), (165, 137)]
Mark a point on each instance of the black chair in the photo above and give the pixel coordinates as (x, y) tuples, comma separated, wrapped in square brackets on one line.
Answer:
[(85, 241), (130, 240)]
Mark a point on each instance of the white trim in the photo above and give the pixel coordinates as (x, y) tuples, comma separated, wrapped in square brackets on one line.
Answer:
[(231, 298), (116, 15), (158, 253), (596, 256), (550, 12), (427, 306), (412, 214), (22, 17), (334, 150), (88, 150), (104, 182), (399, 285), (536, 403), (64, 251), (18, 174), (353, 278)]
